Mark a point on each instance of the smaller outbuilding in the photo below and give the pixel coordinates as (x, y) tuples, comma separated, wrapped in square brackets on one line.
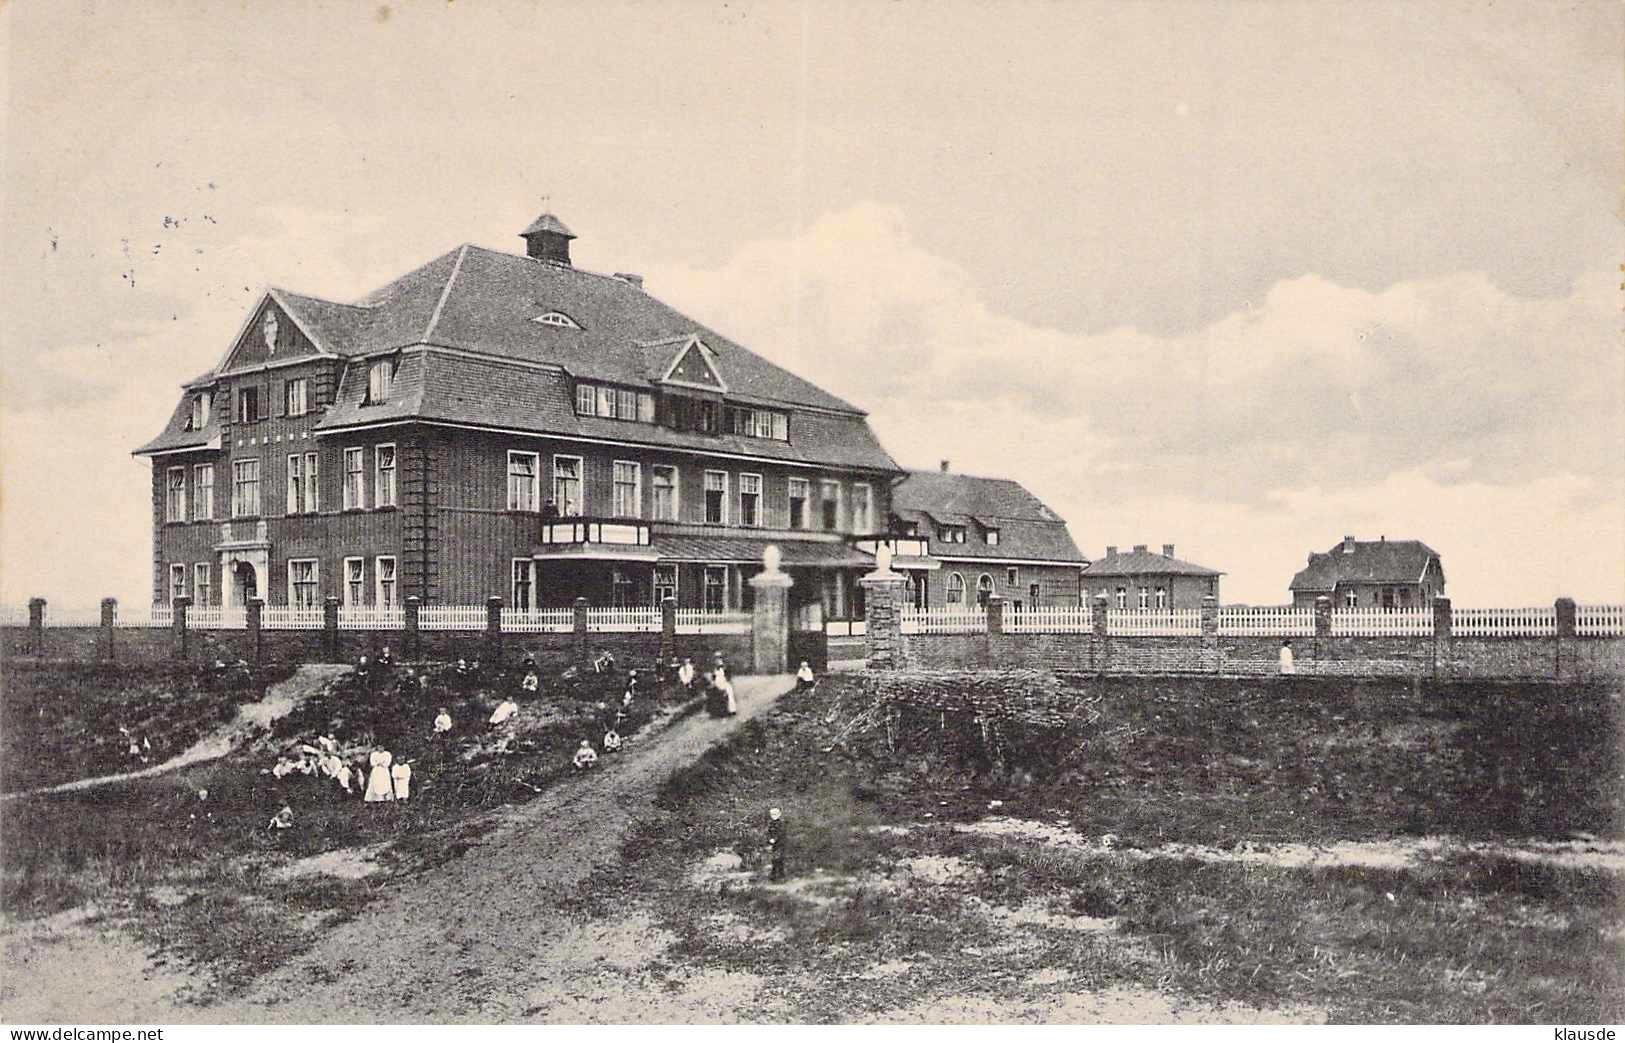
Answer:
[(1141, 578), (1380, 573)]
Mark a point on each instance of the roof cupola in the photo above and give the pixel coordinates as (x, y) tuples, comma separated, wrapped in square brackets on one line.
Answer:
[(548, 240)]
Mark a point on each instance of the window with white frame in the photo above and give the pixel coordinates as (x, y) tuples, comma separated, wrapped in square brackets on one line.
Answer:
[(202, 584), (1145, 597), (523, 484), (248, 405), (863, 508), (627, 499), (295, 397), (984, 589), (384, 571), (798, 491), (245, 488), (355, 581), (991, 536), (201, 403), (313, 485), (380, 381), (524, 583), (177, 582), (355, 479), (1122, 597), (175, 496), (303, 591), (1351, 599), (383, 457), (830, 503), (557, 318), (664, 480), (665, 583), (296, 484), (750, 499), (626, 404), (606, 401), (716, 588), (1012, 576), (1162, 598), (585, 399), (202, 492), (716, 497), (646, 407), (955, 589), (569, 494)]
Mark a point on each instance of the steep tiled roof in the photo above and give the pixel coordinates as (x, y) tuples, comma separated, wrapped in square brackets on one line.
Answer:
[(1027, 528), (176, 436), (1143, 563), (1371, 561)]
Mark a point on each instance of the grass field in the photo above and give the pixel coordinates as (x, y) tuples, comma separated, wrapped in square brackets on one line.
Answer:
[(205, 880), (1355, 851)]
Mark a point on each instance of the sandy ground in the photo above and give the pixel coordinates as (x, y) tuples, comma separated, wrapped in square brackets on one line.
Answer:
[(480, 939), (279, 701)]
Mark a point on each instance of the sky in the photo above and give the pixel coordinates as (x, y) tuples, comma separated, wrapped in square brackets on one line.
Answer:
[(1240, 277)]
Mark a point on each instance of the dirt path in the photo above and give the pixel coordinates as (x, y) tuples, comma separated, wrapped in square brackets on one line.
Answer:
[(279, 701), (468, 940)]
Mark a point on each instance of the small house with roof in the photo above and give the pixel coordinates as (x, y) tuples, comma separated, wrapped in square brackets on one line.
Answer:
[(982, 538), (1380, 573), (1141, 578)]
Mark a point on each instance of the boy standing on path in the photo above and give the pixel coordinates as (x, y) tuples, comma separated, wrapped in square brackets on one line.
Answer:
[(775, 843)]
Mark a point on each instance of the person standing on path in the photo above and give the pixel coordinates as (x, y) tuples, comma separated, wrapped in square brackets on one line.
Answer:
[(775, 844)]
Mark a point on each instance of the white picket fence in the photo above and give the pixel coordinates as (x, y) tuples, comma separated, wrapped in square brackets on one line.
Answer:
[(372, 617), (1267, 621), (530, 620), (1503, 622), (845, 628), (291, 617), (1151, 622), (1054, 619), (1599, 620), (699, 621), (944, 620), (623, 620), (1382, 622), (451, 617), (144, 616), (217, 617)]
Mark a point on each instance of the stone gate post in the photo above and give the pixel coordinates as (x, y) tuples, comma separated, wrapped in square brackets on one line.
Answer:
[(770, 619), (884, 594)]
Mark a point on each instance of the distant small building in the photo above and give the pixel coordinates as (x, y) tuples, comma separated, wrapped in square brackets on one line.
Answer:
[(1379, 573), (1143, 579), (983, 538)]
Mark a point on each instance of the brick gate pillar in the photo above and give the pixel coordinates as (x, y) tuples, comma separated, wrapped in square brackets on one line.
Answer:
[(884, 593), (178, 626), (1566, 632), (582, 643), (330, 629), (36, 625), (668, 629), (493, 631), (1099, 635), (409, 619), (1323, 616), (109, 621), (1442, 626), (256, 629), (770, 616)]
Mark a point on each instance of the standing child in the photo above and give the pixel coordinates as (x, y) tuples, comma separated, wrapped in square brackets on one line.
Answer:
[(1287, 666), (775, 843)]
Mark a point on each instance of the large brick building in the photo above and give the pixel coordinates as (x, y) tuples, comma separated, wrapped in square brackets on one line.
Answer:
[(508, 425), (982, 538)]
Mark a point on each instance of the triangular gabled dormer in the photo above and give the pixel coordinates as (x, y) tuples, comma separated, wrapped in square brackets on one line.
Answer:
[(272, 333), (693, 365)]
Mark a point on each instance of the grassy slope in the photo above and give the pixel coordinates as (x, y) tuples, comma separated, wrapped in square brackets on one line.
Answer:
[(197, 877), (1467, 938)]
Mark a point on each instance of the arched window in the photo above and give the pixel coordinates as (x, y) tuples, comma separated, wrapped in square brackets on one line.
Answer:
[(956, 589), (984, 589)]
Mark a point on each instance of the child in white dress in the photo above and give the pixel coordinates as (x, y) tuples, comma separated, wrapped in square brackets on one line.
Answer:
[(379, 787), (401, 776)]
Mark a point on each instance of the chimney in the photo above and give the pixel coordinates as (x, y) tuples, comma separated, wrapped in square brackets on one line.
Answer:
[(1348, 544), (1111, 552), (635, 280), (944, 467), (1139, 548), (548, 240), (1167, 550)]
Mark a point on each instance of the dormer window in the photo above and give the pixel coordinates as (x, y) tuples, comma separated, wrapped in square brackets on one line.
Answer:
[(557, 318), (992, 536), (951, 533), (200, 411), (380, 380), (614, 403)]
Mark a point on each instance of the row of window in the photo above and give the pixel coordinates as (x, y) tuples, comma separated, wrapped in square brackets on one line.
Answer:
[(304, 582), (296, 399), (721, 506), (956, 534), (303, 486), (615, 403), (717, 592)]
